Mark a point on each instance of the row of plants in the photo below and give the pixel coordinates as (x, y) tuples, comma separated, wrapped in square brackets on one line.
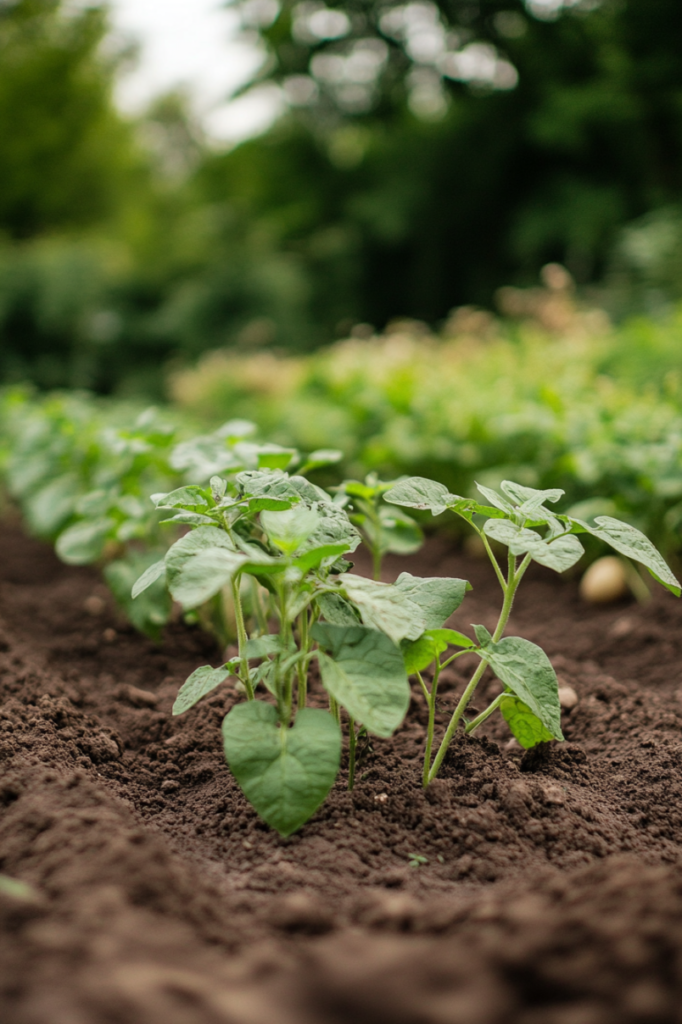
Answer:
[(279, 544), (247, 545), (82, 471), (588, 411)]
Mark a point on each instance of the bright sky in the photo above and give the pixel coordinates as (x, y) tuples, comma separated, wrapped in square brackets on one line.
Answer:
[(192, 43)]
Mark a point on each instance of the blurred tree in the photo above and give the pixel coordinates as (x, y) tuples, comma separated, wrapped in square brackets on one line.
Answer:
[(65, 153), (450, 147)]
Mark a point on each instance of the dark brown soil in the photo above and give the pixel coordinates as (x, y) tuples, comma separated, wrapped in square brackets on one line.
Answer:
[(552, 888)]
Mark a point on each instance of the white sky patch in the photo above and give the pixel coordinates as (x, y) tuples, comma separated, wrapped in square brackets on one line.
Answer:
[(193, 44)]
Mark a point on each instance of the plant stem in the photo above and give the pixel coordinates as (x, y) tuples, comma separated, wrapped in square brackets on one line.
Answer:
[(258, 607), (474, 724), (351, 752), (432, 720), (334, 709), (303, 663), (241, 637), (375, 545), (285, 688), (509, 590)]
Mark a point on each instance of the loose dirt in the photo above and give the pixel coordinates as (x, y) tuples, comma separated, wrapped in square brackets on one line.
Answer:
[(552, 887)]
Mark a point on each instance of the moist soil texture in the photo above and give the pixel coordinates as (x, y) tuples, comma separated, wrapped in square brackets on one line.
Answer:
[(550, 890)]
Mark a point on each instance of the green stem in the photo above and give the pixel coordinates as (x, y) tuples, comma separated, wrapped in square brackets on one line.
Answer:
[(424, 687), (432, 721), (303, 663), (351, 752), (454, 721), (258, 607), (491, 556), (513, 580), (376, 543), (285, 685), (241, 637), (334, 709), (474, 724)]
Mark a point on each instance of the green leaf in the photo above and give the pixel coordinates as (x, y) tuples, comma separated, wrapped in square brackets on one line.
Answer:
[(189, 519), (385, 607), (453, 637), (628, 541), (274, 456), (321, 457), (559, 554), (437, 596), (149, 576), (419, 492), (202, 539), (528, 498), (397, 532), (204, 575), (327, 554), (285, 773), (267, 483), (333, 527), (527, 671), (419, 654), (151, 610), (83, 542), (337, 610), (267, 505), (48, 509), (191, 497), (202, 681), (496, 499), (290, 529), (261, 646), (366, 674), (525, 726)]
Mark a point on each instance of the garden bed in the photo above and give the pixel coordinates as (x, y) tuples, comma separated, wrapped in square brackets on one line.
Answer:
[(551, 887)]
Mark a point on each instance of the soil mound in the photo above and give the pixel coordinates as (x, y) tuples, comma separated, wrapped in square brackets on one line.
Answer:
[(552, 884)]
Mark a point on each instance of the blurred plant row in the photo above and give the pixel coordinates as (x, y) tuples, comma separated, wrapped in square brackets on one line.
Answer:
[(587, 410), (590, 410)]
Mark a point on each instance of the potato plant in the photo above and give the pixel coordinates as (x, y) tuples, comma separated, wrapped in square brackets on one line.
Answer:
[(516, 517), (384, 528), (280, 540)]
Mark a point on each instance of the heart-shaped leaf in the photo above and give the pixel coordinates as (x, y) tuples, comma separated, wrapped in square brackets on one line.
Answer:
[(366, 674), (527, 671), (285, 773), (437, 596)]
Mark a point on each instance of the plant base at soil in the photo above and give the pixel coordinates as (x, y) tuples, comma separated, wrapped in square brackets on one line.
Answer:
[(537, 888)]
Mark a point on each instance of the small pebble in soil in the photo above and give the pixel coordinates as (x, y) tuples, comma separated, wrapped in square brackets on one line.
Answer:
[(94, 605), (109, 635), (381, 798), (622, 627), (568, 698)]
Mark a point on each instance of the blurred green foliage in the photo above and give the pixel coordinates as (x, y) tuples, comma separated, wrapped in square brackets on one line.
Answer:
[(404, 180), (588, 412)]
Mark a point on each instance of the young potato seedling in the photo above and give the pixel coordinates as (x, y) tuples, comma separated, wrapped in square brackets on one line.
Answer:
[(518, 518), (289, 536), (384, 528)]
